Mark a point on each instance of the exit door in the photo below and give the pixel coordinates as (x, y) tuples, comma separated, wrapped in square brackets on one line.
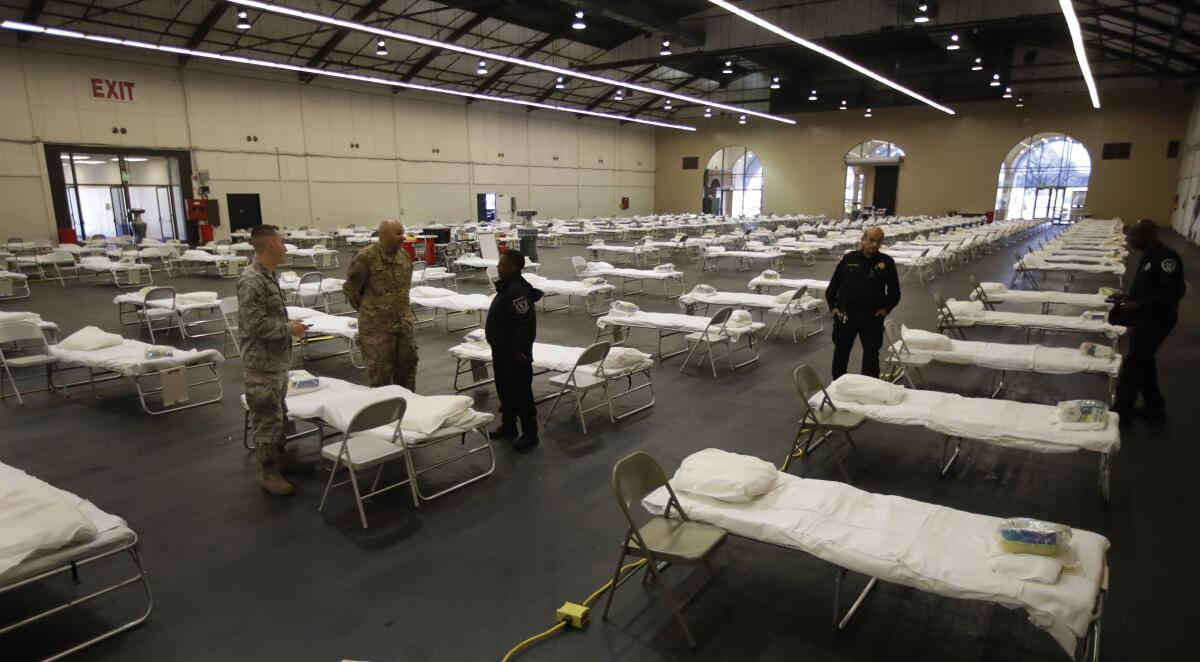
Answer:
[(887, 179), (244, 211)]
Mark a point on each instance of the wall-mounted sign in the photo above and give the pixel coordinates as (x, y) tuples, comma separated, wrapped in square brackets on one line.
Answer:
[(113, 90)]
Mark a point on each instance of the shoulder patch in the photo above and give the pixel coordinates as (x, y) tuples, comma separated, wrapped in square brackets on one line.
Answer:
[(521, 305), (1168, 265)]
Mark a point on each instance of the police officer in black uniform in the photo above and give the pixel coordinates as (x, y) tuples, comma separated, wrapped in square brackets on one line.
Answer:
[(511, 328), (864, 289), (1150, 309)]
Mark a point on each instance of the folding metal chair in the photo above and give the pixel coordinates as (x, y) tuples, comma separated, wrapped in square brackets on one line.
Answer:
[(229, 313), (662, 540), (27, 348), (312, 283), (946, 321), (358, 452), (795, 308), (62, 264), (715, 334), (826, 419), (159, 304), (584, 378)]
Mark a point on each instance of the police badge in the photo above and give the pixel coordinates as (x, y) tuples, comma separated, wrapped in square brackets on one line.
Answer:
[(521, 305)]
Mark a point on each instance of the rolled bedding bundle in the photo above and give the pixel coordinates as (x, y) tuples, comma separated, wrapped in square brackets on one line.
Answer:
[(965, 309), (594, 280), (866, 390), (1096, 350), (769, 274), (620, 358), (739, 319), (702, 288), (925, 340), (623, 308), (665, 267), (477, 337)]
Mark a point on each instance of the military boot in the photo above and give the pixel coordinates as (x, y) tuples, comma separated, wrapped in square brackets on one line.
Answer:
[(274, 482)]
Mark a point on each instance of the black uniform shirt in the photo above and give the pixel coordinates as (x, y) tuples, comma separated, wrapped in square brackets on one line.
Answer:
[(862, 283), (511, 323), (1158, 284)]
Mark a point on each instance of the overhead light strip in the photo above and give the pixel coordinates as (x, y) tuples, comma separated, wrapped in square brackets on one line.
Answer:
[(129, 43), (489, 55), (767, 25), (1068, 10)]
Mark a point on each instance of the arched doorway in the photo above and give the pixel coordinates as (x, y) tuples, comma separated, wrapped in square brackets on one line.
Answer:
[(872, 179), (1044, 176), (733, 183)]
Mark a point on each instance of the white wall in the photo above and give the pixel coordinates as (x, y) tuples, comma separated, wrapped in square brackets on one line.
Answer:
[(418, 156), (1186, 217)]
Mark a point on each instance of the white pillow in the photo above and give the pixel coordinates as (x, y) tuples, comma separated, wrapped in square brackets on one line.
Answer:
[(993, 288), (866, 390), (725, 476), (37, 518), (918, 339), (90, 338), (785, 297), (740, 319), (703, 289)]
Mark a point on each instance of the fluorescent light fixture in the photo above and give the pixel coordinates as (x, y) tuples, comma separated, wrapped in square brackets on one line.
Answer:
[(1020, 103), (1008, 93), (995, 80), (868, 113), (578, 24), (559, 84), (953, 45), (922, 16), (482, 70), (243, 21), (978, 66), (775, 83), (666, 47), (381, 47), (26, 27), (843, 106), (767, 25), (1077, 40), (741, 119), (89, 162), (812, 96), (71, 34), (495, 57), (728, 67), (708, 112)]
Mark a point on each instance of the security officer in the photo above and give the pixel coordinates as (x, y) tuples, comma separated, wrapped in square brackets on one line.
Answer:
[(511, 329), (266, 342), (864, 289), (1150, 309), (377, 285)]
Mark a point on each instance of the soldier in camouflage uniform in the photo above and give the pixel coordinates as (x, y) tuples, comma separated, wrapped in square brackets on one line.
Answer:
[(266, 343), (377, 285)]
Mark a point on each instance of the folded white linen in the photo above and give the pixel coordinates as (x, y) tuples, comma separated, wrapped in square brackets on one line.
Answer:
[(298, 313), (598, 266), (426, 292), (36, 518), (1002, 356), (918, 339), (197, 255), (866, 390), (993, 288), (424, 414), (785, 296), (90, 338), (965, 309), (1028, 567), (620, 358), (196, 297), (724, 476), (6, 318), (739, 319)]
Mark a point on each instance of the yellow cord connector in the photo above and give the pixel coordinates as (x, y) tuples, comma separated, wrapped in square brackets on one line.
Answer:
[(570, 613)]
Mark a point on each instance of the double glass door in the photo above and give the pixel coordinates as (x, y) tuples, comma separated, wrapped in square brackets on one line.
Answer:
[(106, 191)]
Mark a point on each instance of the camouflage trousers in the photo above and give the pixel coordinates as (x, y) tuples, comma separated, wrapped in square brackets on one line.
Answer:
[(391, 358), (267, 410)]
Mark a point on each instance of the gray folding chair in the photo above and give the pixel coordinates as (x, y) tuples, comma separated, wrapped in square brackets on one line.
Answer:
[(62, 264), (580, 265), (662, 540), (584, 378), (716, 334), (795, 308), (947, 323), (309, 288), (26, 348), (159, 304), (825, 418), (229, 313), (358, 450)]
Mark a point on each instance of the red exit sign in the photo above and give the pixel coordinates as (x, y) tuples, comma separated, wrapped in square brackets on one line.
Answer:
[(113, 90)]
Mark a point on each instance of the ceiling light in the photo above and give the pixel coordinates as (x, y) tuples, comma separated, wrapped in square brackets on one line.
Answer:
[(767, 25), (812, 96), (922, 16), (1008, 93), (953, 45), (559, 84), (995, 80), (482, 70), (741, 119), (666, 47), (708, 112), (667, 105), (90, 162), (978, 66), (129, 43), (728, 67), (578, 24), (1077, 40), (868, 113), (775, 83), (381, 47), (243, 21), (473, 52), (1020, 103), (134, 159), (843, 106), (619, 95)]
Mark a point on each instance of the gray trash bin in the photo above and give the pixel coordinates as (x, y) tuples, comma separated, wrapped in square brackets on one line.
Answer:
[(528, 237)]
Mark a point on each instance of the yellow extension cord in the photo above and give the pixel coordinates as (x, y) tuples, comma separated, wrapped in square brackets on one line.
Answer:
[(562, 624)]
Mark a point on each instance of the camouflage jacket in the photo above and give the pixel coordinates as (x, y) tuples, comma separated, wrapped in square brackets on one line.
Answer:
[(264, 332), (377, 286)]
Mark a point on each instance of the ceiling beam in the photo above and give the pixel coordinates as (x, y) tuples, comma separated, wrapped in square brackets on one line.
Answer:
[(458, 33), (336, 38), (31, 15), (206, 25), (1135, 42), (499, 73), (637, 76), (1144, 21), (634, 14), (649, 103)]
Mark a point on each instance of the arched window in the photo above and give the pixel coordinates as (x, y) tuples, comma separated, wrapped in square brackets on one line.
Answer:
[(872, 175), (1044, 176), (733, 183)]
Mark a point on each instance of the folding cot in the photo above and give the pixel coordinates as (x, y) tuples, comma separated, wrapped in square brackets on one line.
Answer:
[(765, 283), (183, 310), (785, 306), (52, 533), (992, 294), (955, 316), (323, 326), (637, 254), (446, 304), (920, 545), (225, 265), (122, 274), (598, 293), (1026, 268), (317, 257), (695, 329), (742, 259), (664, 273), (13, 285)]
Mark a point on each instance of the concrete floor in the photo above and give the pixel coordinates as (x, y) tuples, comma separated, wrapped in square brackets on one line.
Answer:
[(240, 575)]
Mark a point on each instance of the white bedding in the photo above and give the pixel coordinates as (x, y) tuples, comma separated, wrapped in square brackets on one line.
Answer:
[(103, 264), (912, 543), (328, 286), (1002, 356), (1041, 265), (673, 322), (210, 258), (998, 422), (129, 358), (324, 323), (649, 274), (815, 287), (558, 358), (476, 262), (1034, 320), (768, 301), (1080, 299), (13, 275), (567, 287), (184, 301), (7, 317), (439, 297)]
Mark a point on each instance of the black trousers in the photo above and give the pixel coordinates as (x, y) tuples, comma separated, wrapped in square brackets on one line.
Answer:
[(865, 326), (514, 385), (1139, 374)]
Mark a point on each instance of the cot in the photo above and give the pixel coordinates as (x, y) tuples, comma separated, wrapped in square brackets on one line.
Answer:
[(482, 263), (323, 326), (742, 259), (312, 287), (13, 285), (55, 546), (955, 316), (923, 546), (225, 265), (598, 293), (664, 273), (637, 254), (121, 274), (762, 283), (785, 307), (446, 304), (992, 294), (317, 257), (184, 310), (617, 326), (1025, 269)]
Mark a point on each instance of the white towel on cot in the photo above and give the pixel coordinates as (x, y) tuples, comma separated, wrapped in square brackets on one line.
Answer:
[(1028, 567), (866, 390), (90, 338), (965, 308)]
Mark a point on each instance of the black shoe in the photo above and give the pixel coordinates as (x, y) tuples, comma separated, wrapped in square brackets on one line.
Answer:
[(526, 441), (504, 432)]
